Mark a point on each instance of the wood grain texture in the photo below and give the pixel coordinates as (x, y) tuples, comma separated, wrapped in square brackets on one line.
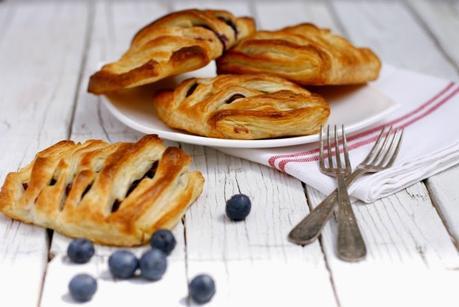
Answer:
[(441, 21), (407, 241), (113, 25), (255, 252), (390, 29), (40, 64), (412, 260)]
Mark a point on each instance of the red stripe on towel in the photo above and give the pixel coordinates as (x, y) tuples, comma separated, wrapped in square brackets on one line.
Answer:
[(284, 162), (272, 160)]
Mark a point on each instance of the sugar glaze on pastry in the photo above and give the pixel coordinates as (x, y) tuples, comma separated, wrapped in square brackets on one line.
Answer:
[(115, 194), (176, 43), (305, 54), (242, 107)]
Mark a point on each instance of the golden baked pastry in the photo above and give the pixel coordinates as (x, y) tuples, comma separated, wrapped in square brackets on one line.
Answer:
[(115, 194), (304, 54), (242, 107), (176, 43)]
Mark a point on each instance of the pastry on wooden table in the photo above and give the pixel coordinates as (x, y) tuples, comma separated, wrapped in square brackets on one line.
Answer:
[(242, 107), (305, 54), (115, 194), (176, 43)]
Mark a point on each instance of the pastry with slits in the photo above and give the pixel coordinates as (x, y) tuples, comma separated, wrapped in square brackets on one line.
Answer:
[(114, 194), (303, 53), (176, 43), (242, 107)]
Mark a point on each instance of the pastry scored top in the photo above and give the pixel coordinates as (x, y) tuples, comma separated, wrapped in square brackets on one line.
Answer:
[(305, 54), (176, 43), (242, 107), (115, 194)]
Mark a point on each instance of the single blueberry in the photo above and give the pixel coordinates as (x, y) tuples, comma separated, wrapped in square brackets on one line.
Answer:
[(153, 264), (202, 288), (82, 287), (163, 240), (238, 207), (80, 250), (123, 264)]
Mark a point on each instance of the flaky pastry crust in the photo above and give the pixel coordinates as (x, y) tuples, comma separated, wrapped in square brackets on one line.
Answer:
[(305, 54), (115, 194), (242, 107), (176, 43)]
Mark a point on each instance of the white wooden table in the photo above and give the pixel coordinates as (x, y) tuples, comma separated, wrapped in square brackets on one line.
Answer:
[(48, 50)]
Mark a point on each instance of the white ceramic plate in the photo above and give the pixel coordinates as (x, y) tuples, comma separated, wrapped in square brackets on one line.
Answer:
[(356, 107)]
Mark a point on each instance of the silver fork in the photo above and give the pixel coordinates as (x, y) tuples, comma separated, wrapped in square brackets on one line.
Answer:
[(381, 156), (351, 246)]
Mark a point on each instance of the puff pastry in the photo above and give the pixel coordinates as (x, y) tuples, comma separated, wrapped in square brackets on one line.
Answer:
[(115, 194), (176, 43), (242, 107), (305, 54)]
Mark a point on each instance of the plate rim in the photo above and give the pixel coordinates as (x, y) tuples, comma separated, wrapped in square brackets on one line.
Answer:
[(182, 137)]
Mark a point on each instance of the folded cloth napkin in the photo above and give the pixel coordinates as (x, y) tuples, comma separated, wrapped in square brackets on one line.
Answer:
[(429, 114)]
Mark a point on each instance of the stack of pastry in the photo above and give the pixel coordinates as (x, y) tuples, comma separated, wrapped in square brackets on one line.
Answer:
[(120, 193), (258, 91)]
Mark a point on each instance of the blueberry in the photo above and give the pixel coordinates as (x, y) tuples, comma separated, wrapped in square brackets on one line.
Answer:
[(82, 287), (163, 240), (202, 288), (80, 250), (153, 264), (238, 207), (123, 264)]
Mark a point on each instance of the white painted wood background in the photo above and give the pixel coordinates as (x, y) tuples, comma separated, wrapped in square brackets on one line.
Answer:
[(48, 49)]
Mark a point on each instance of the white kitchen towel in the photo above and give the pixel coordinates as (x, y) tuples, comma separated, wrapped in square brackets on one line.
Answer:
[(429, 114)]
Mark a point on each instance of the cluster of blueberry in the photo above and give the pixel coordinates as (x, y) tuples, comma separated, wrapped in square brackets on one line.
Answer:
[(123, 264)]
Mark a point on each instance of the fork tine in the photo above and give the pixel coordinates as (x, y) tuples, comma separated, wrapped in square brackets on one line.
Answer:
[(390, 136), (346, 154), (386, 150), (376, 147), (321, 153), (396, 150), (329, 148), (383, 148), (337, 153)]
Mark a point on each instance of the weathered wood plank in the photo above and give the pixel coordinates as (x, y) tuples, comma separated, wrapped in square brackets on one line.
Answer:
[(114, 25), (250, 259), (441, 20), (39, 64), (410, 261), (169, 291), (394, 35), (410, 254), (254, 252)]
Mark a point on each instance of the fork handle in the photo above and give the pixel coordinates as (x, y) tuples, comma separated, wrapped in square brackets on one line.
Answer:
[(309, 228), (351, 246)]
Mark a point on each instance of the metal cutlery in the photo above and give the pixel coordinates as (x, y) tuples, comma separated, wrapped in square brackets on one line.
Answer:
[(351, 246), (381, 157)]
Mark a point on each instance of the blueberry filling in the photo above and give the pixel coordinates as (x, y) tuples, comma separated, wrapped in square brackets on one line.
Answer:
[(222, 38), (116, 205), (234, 97), (191, 90), (86, 190), (150, 174), (67, 189), (152, 171), (231, 24)]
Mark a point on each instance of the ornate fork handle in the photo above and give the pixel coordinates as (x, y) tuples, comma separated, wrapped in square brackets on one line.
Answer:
[(308, 229), (351, 246)]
